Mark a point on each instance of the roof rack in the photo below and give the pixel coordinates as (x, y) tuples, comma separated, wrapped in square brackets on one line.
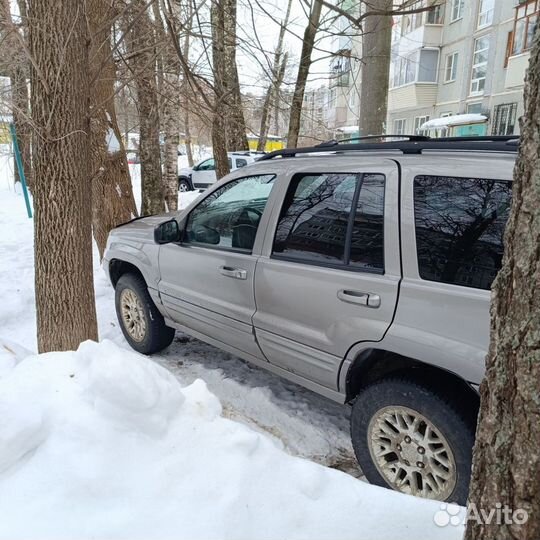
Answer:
[(334, 142), (507, 143)]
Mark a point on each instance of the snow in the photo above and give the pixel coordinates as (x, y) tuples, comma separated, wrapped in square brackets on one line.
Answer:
[(104, 443), (128, 449), (113, 144), (455, 120)]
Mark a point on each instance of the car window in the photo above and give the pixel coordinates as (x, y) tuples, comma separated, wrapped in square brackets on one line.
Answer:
[(316, 225), (229, 160), (207, 165), (367, 242), (230, 216), (460, 225), (240, 162)]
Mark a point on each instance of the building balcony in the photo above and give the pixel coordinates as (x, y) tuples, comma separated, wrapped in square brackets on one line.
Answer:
[(412, 96), (515, 70), (427, 35)]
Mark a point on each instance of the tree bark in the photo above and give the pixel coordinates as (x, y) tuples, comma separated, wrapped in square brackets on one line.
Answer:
[(64, 284), (506, 462), (17, 68), (376, 45), (303, 72), (171, 114), (141, 46), (112, 193), (236, 124), (226, 81), (220, 116)]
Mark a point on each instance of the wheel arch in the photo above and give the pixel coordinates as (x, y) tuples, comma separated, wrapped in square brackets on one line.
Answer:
[(372, 364), (186, 178), (119, 267)]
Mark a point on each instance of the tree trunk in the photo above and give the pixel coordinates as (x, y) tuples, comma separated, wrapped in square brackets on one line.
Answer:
[(219, 146), (171, 114), (220, 117), (376, 45), (226, 82), (236, 124), (185, 88), (275, 83), (506, 463), (187, 138), (65, 305), (112, 193), (141, 45), (303, 72), (17, 69)]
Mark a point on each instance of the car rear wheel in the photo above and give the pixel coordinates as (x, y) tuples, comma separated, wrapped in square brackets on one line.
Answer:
[(142, 324), (411, 439), (184, 185)]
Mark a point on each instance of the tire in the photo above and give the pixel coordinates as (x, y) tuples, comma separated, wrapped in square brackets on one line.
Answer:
[(149, 333), (184, 185), (394, 457)]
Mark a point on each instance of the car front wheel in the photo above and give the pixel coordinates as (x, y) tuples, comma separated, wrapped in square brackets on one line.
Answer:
[(184, 185), (142, 324), (411, 439)]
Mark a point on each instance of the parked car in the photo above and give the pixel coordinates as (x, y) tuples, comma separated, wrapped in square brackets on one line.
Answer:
[(360, 271), (203, 174)]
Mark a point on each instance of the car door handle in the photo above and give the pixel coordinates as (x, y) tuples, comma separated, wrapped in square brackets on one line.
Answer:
[(236, 273), (358, 297)]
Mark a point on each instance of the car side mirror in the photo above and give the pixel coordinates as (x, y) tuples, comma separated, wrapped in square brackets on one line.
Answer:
[(167, 232)]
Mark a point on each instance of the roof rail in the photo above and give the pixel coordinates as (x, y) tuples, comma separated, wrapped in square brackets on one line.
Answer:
[(507, 143), (334, 142)]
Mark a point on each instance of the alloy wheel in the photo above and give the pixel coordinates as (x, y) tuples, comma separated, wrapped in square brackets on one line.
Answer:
[(411, 454)]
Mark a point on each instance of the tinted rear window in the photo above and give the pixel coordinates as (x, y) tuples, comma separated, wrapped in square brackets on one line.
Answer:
[(460, 225)]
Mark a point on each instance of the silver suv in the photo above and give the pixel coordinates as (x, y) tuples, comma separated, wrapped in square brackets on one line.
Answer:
[(360, 271)]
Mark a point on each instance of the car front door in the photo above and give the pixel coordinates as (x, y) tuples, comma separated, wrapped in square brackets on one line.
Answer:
[(204, 174), (329, 272), (207, 280)]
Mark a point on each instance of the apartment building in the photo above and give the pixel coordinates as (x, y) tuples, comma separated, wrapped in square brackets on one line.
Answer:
[(343, 106), (459, 68)]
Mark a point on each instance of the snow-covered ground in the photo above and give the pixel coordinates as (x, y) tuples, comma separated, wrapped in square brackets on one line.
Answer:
[(103, 443)]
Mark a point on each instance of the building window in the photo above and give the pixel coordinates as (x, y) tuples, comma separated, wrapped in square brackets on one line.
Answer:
[(524, 26), (446, 114), (399, 126), (435, 15), (419, 66), (485, 13), (404, 70), (451, 67), (504, 119), (479, 68), (456, 10), (474, 108), (341, 67), (418, 122)]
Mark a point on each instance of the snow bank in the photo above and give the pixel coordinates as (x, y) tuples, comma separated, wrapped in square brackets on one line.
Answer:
[(103, 443)]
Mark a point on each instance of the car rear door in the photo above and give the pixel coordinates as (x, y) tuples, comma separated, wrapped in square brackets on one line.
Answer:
[(330, 270), (207, 281)]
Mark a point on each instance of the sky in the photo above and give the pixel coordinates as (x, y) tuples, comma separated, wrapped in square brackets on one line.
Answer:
[(264, 17)]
